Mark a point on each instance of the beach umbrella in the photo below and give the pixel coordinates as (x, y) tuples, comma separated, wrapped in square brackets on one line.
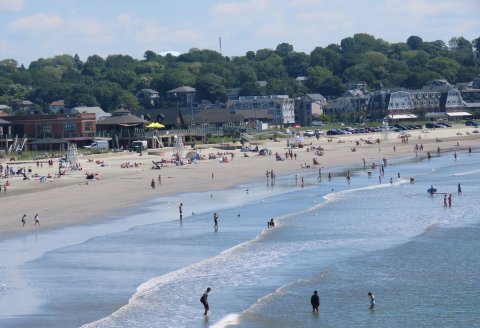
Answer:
[(155, 125)]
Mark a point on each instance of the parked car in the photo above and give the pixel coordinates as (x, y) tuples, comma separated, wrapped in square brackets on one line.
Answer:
[(98, 144), (471, 123), (308, 133), (333, 132), (444, 124)]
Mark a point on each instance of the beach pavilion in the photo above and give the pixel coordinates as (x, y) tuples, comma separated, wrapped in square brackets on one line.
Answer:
[(123, 127)]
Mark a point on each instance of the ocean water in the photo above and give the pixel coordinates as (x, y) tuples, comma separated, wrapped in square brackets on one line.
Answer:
[(149, 269)]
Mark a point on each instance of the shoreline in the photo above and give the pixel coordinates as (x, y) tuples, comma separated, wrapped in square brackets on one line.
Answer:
[(68, 201)]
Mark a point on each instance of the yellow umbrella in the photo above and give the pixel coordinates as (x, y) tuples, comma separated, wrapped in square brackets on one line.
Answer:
[(155, 125)]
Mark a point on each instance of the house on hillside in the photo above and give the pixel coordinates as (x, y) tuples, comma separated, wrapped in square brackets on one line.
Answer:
[(307, 107), (184, 96), (352, 102), (25, 106), (57, 106), (148, 97)]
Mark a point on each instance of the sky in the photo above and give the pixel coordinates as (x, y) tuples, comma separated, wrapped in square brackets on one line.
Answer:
[(33, 29)]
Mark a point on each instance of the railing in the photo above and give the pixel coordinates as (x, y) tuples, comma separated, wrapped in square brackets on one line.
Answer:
[(229, 129)]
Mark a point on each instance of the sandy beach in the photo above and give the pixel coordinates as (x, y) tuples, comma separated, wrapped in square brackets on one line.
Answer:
[(70, 201)]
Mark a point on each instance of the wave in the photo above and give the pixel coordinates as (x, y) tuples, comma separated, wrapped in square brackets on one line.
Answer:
[(466, 173), (283, 290), (228, 320)]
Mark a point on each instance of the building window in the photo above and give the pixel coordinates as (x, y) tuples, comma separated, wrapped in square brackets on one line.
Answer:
[(88, 126), (44, 128), (69, 127)]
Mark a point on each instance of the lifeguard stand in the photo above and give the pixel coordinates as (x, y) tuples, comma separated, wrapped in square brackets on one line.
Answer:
[(72, 156), (386, 130), (178, 146)]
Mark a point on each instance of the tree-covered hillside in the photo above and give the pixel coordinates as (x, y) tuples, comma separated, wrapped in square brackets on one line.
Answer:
[(113, 81)]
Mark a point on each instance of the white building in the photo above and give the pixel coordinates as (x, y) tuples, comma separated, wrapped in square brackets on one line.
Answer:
[(275, 109)]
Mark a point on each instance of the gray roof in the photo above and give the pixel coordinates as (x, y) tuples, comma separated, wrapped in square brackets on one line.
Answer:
[(127, 120), (3, 122), (316, 97), (5, 107), (214, 116), (92, 110), (182, 89), (167, 116)]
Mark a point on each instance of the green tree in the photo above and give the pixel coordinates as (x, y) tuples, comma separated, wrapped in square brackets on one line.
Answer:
[(210, 87), (94, 66), (296, 64), (316, 76), (251, 89), (284, 49), (446, 67), (414, 42), (8, 66)]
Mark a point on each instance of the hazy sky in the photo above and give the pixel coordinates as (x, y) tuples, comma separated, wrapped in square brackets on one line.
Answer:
[(33, 29)]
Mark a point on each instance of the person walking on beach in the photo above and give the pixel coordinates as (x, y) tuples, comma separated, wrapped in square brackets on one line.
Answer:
[(37, 220), (152, 184), (315, 301), (215, 221), (372, 300), (24, 220), (204, 300)]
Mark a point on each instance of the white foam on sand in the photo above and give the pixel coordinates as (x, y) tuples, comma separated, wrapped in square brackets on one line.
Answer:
[(228, 320)]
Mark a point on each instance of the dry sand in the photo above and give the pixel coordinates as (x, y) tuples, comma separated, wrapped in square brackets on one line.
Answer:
[(69, 201)]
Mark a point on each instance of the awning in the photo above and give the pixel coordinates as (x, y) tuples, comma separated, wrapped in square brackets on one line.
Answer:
[(402, 117), (435, 114), (459, 114), (47, 141)]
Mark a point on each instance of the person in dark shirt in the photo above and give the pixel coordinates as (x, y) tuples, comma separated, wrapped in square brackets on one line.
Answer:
[(315, 301), (204, 300)]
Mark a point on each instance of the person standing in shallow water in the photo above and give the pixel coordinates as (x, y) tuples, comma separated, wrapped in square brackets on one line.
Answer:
[(215, 221), (315, 301), (204, 301), (372, 300)]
